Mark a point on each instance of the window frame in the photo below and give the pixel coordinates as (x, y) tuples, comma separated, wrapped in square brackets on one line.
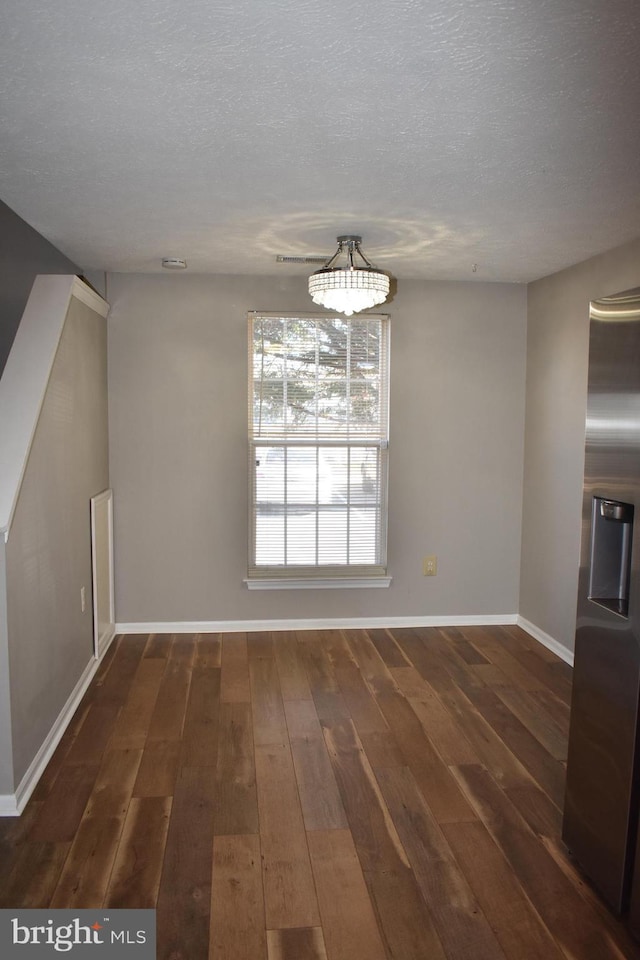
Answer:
[(307, 576)]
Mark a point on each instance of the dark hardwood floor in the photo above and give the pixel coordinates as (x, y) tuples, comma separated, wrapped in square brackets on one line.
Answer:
[(350, 795)]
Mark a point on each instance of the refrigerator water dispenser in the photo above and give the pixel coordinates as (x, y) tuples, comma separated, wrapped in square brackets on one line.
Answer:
[(610, 568)]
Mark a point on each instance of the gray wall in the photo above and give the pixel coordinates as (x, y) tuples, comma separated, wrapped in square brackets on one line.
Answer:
[(6, 752), (23, 255), (48, 554), (557, 364), (178, 444)]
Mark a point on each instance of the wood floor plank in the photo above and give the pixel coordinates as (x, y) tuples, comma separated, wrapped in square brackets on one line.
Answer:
[(94, 734), (61, 813), (158, 645), (493, 647), (237, 905), (168, 714), (439, 788), (183, 648), (382, 749), (289, 893), (319, 796), (184, 896), (208, 650), (260, 645), (158, 769), (328, 699), (517, 926), (548, 772), (492, 676), (348, 918), (387, 648), (371, 665), (336, 647), (131, 727), (138, 865), (425, 660), (236, 797), (406, 926), (200, 734), (114, 782), (403, 917), (561, 907), (461, 926), (306, 943), (558, 710), (45, 784), (535, 807), (467, 652), (443, 732), (536, 719), (441, 643), (114, 684), (293, 678), (87, 869), (14, 832), (302, 719), (35, 875), (434, 778), (269, 723), (410, 683), (379, 746), (487, 744), (112, 653), (360, 703), (555, 675), (234, 679), (528, 642), (84, 878), (374, 833)]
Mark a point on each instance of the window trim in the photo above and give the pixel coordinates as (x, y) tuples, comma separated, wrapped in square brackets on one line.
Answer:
[(317, 583), (319, 576)]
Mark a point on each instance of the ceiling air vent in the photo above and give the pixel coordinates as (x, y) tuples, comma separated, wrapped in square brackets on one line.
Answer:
[(283, 258)]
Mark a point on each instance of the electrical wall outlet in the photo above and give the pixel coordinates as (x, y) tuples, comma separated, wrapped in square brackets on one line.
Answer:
[(430, 565), (83, 599)]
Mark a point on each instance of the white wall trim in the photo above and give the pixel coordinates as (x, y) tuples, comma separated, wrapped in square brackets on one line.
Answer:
[(328, 623), (12, 805), (546, 640), (82, 291), (101, 507)]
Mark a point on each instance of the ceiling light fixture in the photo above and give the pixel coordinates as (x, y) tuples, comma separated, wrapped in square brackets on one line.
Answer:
[(348, 288), (174, 263)]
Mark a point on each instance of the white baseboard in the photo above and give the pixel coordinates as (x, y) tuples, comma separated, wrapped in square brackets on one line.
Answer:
[(328, 623), (546, 640), (12, 804)]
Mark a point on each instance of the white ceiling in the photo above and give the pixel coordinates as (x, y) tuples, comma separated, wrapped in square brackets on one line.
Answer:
[(502, 133)]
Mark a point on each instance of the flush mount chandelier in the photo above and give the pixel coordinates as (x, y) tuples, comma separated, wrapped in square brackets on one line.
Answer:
[(346, 284)]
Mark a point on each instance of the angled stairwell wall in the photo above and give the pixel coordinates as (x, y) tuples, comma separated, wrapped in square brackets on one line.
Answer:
[(54, 444)]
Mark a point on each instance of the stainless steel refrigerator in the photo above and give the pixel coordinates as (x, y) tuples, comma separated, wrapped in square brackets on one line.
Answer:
[(603, 768)]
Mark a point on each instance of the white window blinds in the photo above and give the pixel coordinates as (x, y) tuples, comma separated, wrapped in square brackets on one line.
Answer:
[(318, 436)]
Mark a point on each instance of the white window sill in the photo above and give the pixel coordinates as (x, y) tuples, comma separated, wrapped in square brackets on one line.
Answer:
[(318, 583)]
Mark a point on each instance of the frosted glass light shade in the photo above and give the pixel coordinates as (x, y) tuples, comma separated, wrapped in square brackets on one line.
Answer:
[(348, 291)]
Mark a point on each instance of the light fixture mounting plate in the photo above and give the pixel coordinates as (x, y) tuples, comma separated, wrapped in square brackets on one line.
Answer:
[(349, 238)]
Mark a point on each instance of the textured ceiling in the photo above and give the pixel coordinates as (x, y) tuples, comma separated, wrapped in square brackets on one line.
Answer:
[(502, 133)]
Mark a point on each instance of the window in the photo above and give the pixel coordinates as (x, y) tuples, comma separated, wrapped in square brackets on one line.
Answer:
[(318, 436)]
